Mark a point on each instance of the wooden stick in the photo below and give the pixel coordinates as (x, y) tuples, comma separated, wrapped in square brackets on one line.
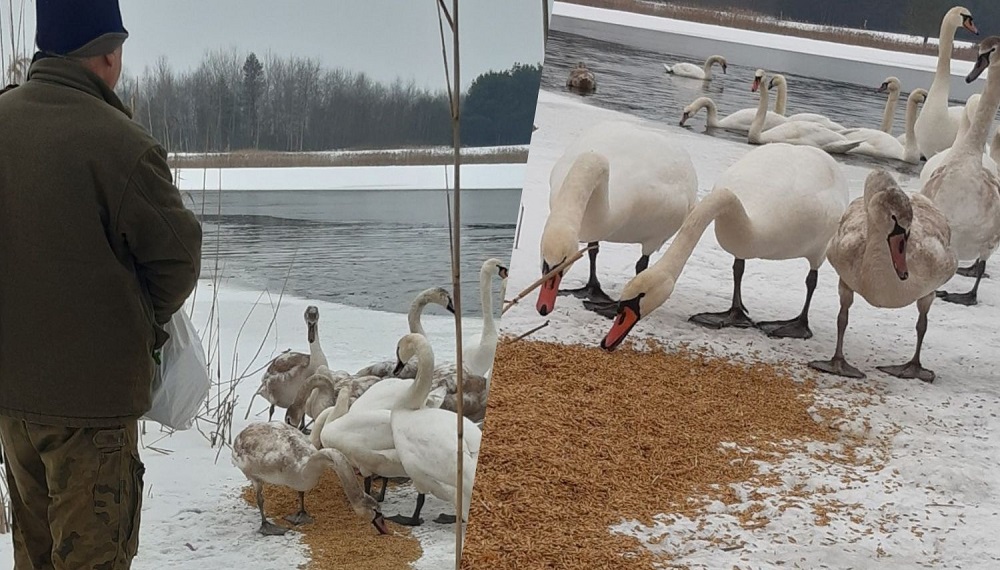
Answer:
[(532, 331), (546, 277)]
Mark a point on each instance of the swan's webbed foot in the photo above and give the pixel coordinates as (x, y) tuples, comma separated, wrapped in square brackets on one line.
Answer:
[(837, 366), (793, 328), (970, 271), (734, 317), (406, 521), (590, 292), (445, 519), (268, 528), (909, 370), (607, 309), (298, 518), (968, 299)]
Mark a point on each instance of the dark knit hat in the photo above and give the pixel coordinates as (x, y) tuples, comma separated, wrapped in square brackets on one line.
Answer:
[(79, 28)]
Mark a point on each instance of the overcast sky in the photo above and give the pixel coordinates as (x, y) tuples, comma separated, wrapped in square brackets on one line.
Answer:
[(383, 38)]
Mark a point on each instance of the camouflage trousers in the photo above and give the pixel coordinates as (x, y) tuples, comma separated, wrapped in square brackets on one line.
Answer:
[(75, 493)]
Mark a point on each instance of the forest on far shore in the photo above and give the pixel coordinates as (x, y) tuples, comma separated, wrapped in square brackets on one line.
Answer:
[(237, 101)]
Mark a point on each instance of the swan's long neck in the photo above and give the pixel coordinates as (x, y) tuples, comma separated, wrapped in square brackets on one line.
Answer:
[(708, 67), (757, 127), (719, 202), (571, 202), (942, 77), (910, 144), (889, 115), (417, 311), (315, 382), (417, 393), (316, 356), (711, 110), (781, 99), (486, 300), (975, 137), (344, 471)]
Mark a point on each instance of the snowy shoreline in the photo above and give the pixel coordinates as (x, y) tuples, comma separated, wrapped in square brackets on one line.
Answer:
[(936, 499)]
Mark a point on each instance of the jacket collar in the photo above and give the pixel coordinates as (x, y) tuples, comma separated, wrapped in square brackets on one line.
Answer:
[(68, 73)]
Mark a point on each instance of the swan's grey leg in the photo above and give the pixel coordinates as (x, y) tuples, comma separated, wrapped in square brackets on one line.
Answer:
[(838, 365), (592, 290), (414, 520), (799, 326), (968, 299), (913, 369), (267, 528), (301, 517), (385, 485), (368, 484), (737, 315), (970, 271)]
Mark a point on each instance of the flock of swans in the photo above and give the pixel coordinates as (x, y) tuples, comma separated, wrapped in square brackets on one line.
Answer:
[(621, 182), (392, 419)]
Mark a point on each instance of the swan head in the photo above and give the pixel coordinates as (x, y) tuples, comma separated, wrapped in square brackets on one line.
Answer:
[(987, 57), (408, 347), (890, 85), (559, 243), (493, 265), (758, 79), (695, 106), (368, 507), (961, 17), (439, 296), (312, 319), (642, 295), (890, 213), (722, 62), (918, 95)]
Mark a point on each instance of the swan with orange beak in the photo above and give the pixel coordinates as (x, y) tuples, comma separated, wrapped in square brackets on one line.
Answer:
[(894, 250)]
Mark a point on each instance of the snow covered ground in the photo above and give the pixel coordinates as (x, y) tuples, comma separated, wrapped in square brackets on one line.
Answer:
[(937, 501), (474, 176), (193, 515)]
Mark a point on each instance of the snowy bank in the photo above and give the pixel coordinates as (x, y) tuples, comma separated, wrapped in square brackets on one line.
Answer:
[(936, 501)]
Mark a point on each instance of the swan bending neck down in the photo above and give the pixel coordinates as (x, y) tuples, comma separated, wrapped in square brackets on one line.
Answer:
[(777, 202), (619, 182), (795, 132), (739, 121), (424, 439), (937, 125), (892, 249), (693, 71), (965, 192), (276, 453)]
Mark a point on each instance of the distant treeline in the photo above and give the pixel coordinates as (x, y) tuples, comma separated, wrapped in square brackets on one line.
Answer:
[(238, 101), (916, 17)]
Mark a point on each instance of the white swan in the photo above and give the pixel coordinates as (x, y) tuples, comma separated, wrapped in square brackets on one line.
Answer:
[(279, 454), (881, 144), (892, 249), (795, 132), (937, 125), (777, 202), (288, 372), (618, 182), (738, 121), (935, 162), (436, 295), (425, 443), (693, 71), (965, 192), (892, 87), (781, 83), (478, 351)]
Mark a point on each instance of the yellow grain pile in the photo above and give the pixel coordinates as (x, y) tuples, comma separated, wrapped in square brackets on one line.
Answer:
[(338, 537), (578, 440)]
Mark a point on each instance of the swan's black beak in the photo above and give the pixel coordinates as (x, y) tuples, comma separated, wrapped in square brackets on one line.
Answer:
[(379, 523), (399, 367), (312, 333), (685, 117), (450, 307), (982, 62), (502, 271), (882, 88)]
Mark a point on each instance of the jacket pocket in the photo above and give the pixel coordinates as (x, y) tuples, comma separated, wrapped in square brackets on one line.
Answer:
[(137, 472), (109, 492)]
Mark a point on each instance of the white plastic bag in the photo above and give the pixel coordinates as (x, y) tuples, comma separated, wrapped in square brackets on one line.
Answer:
[(181, 382)]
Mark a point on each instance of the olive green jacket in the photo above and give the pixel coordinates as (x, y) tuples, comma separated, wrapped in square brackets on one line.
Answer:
[(97, 251)]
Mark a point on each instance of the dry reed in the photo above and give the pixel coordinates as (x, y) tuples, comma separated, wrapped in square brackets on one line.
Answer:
[(578, 440), (338, 537)]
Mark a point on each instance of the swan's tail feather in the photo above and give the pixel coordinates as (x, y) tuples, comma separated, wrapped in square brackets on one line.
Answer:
[(842, 147), (668, 68)]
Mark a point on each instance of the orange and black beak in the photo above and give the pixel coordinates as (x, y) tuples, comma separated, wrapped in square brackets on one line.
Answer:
[(627, 317), (756, 84), (968, 24), (549, 291), (897, 251), (502, 271), (882, 88)]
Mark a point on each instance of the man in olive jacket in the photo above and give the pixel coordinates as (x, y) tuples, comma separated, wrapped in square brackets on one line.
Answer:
[(97, 252)]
